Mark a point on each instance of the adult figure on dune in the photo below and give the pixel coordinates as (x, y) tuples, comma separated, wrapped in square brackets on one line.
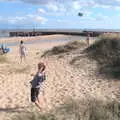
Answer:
[(22, 51), (88, 39)]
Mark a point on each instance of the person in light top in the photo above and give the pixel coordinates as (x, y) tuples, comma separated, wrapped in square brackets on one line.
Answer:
[(22, 51), (88, 39)]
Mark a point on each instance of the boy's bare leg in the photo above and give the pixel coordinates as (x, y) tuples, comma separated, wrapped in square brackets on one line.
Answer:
[(38, 104), (42, 100)]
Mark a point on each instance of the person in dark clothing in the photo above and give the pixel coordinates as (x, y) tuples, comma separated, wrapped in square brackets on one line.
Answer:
[(36, 83), (4, 48)]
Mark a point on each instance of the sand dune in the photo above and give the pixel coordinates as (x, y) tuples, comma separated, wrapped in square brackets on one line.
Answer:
[(63, 81)]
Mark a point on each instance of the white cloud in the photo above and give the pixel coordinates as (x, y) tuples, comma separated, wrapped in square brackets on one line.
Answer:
[(55, 9), (12, 20), (102, 6), (40, 10), (66, 8), (87, 13), (36, 18), (28, 19), (66, 22), (63, 5), (37, 1), (76, 5), (117, 8), (40, 19), (52, 7), (108, 2), (83, 2)]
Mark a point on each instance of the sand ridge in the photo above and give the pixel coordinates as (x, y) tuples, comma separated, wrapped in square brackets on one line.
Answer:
[(63, 81)]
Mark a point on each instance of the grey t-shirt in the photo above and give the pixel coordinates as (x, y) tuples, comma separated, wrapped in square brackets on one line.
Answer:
[(37, 80)]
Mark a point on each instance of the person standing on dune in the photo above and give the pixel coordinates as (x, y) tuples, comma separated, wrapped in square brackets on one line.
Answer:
[(88, 39), (22, 50)]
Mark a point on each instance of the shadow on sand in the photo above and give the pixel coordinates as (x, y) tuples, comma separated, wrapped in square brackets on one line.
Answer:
[(14, 109)]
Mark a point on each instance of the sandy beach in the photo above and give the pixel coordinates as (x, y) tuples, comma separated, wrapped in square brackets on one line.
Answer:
[(63, 80), (25, 39)]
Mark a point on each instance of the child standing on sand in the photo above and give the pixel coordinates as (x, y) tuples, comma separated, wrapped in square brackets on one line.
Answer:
[(22, 50), (36, 84)]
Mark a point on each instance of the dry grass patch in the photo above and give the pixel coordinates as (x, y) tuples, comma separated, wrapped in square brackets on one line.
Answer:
[(78, 110), (106, 52), (70, 46), (99, 110)]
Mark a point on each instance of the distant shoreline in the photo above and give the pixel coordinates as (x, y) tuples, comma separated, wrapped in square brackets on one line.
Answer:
[(13, 41), (41, 32), (17, 39)]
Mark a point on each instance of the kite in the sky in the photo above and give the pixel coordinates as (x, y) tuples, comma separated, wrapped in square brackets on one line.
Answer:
[(80, 14)]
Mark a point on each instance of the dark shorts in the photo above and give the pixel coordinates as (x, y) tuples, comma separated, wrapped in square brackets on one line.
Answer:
[(34, 94)]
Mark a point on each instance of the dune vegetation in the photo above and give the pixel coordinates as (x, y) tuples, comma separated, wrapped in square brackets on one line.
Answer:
[(106, 51), (77, 110), (82, 85), (67, 48)]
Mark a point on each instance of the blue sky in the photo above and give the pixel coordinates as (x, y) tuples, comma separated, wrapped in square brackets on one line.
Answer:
[(52, 14)]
